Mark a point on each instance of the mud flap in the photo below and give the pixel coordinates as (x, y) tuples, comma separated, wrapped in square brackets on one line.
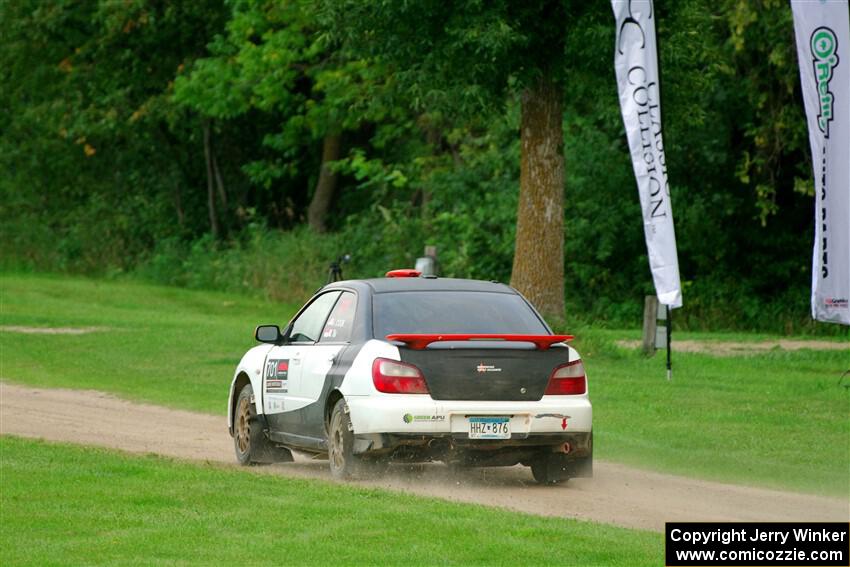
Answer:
[(273, 454), (564, 467), (267, 452)]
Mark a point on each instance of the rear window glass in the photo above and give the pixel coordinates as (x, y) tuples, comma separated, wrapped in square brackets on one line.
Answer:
[(464, 312)]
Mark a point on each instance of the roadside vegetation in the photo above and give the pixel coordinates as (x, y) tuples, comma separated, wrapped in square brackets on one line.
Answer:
[(245, 145), (76, 506), (775, 419)]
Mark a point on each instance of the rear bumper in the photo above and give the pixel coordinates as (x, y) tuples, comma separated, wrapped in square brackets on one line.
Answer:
[(579, 443), (414, 416), (567, 451)]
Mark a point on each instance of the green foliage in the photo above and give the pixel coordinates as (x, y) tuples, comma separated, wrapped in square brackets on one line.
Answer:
[(102, 146), (280, 266), (94, 150), (773, 121)]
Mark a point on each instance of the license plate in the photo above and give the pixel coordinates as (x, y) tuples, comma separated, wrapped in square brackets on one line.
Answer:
[(489, 428)]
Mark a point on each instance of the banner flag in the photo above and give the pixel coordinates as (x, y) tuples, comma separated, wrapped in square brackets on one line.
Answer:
[(822, 28), (636, 66)]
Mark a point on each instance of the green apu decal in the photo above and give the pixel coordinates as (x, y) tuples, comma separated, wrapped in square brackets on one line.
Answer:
[(410, 418)]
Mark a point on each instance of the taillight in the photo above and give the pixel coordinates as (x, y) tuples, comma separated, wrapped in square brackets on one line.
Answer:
[(393, 377), (567, 380)]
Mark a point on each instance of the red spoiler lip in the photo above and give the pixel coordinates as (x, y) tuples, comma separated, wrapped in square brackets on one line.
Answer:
[(419, 342)]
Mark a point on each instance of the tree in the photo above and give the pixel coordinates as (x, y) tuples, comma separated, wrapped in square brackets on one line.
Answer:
[(94, 144), (274, 58), (467, 58)]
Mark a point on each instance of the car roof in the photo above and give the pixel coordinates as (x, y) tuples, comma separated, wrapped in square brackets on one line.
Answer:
[(388, 285)]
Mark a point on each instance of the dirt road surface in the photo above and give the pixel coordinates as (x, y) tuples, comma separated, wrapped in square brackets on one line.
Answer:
[(730, 348), (617, 494)]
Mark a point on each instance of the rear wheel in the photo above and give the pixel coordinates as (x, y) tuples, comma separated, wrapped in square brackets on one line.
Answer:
[(343, 462), (341, 443)]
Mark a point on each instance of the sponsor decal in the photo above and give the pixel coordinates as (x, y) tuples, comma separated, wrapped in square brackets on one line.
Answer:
[(836, 303), (276, 387), (410, 418), (277, 374), (824, 46), (560, 416), (487, 368), (277, 369)]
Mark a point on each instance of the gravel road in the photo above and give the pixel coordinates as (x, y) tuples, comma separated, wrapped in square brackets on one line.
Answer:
[(617, 494)]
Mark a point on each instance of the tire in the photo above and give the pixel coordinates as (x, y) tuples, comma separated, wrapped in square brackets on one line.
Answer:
[(344, 463), (250, 443), (549, 470)]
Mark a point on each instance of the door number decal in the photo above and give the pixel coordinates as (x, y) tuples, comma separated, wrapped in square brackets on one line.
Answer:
[(277, 376)]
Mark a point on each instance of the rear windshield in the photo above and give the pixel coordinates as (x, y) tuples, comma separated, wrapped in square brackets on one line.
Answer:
[(447, 312)]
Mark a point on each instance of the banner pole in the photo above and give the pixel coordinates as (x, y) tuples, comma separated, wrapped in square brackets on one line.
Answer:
[(669, 333)]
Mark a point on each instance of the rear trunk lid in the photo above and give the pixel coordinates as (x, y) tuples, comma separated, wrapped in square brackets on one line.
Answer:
[(489, 371)]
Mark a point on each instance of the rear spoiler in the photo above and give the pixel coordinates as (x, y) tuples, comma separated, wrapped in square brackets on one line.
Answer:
[(419, 342)]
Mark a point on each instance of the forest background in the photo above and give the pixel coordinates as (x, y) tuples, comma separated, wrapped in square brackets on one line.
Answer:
[(243, 145)]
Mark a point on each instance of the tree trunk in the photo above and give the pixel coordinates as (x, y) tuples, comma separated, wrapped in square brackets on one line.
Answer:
[(538, 270), (210, 182), (326, 187), (219, 182)]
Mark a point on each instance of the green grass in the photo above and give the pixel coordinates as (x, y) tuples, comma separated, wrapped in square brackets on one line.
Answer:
[(69, 505), (165, 345), (776, 419)]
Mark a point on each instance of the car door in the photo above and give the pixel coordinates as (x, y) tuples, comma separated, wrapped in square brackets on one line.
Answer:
[(317, 369), (284, 366), (321, 357)]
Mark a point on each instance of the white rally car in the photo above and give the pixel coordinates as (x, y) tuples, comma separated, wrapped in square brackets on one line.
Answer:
[(413, 369)]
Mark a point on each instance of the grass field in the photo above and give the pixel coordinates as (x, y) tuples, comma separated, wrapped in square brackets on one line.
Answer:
[(170, 346), (73, 506), (777, 419)]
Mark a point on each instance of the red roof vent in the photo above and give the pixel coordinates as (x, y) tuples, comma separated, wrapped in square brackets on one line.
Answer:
[(403, 274)]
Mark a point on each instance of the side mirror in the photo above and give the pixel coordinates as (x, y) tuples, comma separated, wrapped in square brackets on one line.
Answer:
[(268, 334)]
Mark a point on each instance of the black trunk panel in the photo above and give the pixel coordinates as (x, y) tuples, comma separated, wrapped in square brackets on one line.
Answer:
[(463, 373)]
